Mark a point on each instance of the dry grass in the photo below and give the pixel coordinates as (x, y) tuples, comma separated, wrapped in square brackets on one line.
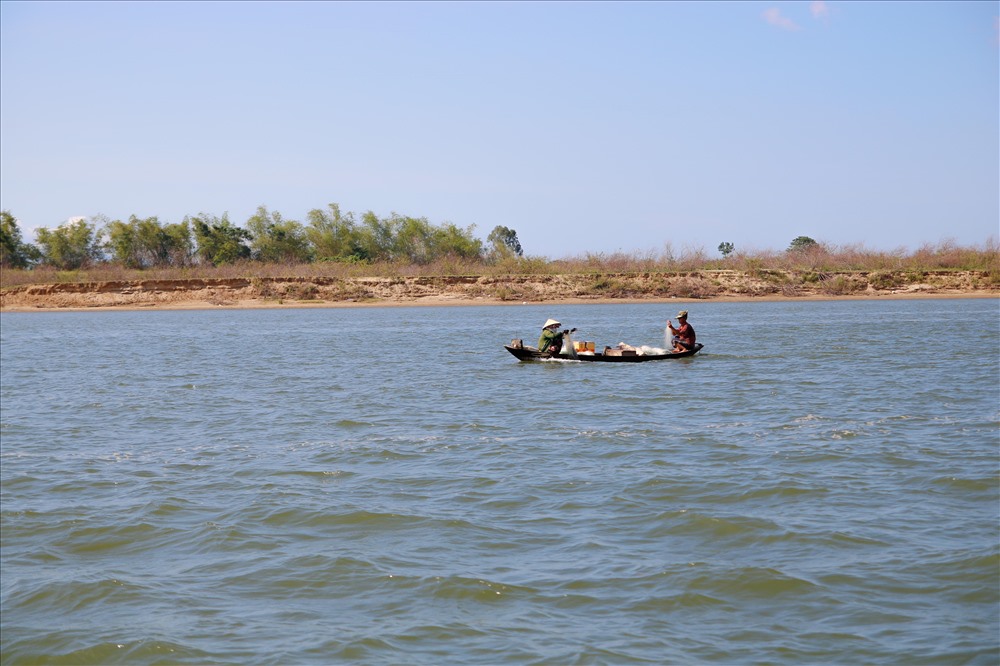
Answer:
[(821, 263)]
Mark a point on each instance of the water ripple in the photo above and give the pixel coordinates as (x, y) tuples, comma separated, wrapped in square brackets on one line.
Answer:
[(234, 487)]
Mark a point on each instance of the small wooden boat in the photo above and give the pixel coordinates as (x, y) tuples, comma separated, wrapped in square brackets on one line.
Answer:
[(608, 356)]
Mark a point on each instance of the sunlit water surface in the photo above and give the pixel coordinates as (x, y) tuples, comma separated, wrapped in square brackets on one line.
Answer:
[(389, 486)]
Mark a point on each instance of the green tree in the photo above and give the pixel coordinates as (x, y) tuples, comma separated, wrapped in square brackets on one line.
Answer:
[(412, 239), (333, 235), (415, 240), (70, 246), (726, 249), (801, 244), (276, 240), (375, 238), (451, 240), (122, 244), (504, 243), (14, 252), (219, 241), (144, 243), (178, 244)]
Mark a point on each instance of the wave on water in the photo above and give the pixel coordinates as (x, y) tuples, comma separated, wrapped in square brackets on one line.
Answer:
[(236, 487)]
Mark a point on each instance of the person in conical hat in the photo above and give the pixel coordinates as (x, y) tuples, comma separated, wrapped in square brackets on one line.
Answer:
[(684, 336), (552, 338)]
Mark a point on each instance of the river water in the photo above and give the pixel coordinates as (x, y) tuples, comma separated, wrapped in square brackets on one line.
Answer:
[(390, 486)]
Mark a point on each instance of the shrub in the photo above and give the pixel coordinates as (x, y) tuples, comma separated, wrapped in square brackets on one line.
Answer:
[(688, 287), (885, 280), (611, 287), (262, 288), (841, 285), (302, 291)]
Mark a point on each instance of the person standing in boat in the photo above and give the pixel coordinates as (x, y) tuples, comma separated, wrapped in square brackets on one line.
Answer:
[(684, 333), (552, 338)]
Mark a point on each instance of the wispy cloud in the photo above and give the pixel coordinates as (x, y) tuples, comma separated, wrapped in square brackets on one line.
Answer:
[(774, 17), (819, 9)]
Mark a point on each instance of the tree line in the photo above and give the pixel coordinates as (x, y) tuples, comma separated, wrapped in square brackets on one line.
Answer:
[(327, 235)]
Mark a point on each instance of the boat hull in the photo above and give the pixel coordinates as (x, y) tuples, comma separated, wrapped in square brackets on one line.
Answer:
[(532, 354)]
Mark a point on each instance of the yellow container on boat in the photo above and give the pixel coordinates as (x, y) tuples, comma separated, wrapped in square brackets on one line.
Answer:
[(590, 346)]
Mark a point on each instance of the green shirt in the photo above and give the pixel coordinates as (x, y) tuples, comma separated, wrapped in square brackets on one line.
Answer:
[(549, 337)]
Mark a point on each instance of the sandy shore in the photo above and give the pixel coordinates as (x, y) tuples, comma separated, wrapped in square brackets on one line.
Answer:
[(707, 286), (257, 304), (432, 302)]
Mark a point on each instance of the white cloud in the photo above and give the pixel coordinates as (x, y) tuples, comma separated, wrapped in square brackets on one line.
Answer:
[(819, 9), (774, 17)]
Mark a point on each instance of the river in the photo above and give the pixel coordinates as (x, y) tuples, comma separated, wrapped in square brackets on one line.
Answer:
[(390, 486)]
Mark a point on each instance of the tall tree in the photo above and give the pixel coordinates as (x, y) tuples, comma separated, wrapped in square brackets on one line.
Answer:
[(375, 238), (802, 243), (122, 244), (451, 240), (219, 241), (333, 235), (70, 246), (276, 240), (144, 243), (412, 239), (14, 252), (178, 243), (503, 242)]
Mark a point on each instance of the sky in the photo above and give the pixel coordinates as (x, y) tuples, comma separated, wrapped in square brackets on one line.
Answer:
[(586, 127)]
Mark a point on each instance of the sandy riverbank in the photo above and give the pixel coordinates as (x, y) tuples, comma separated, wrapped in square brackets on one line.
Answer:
[(248, 293)]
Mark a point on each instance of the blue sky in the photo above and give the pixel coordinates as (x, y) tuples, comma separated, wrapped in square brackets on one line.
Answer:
[(586, 127)]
